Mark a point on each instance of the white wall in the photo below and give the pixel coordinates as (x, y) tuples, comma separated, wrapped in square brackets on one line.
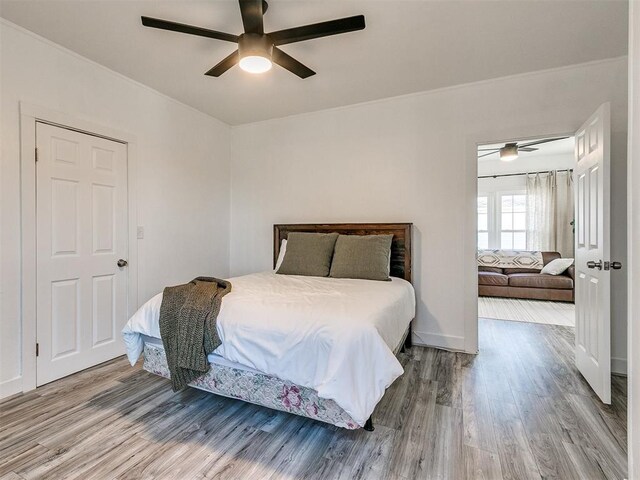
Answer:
[(502, 184), (182, 162), (538, 163), (413, 158), (410, 158), (634, 241)]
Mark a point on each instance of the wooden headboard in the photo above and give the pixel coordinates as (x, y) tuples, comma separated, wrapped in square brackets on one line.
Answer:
[(400, 245)]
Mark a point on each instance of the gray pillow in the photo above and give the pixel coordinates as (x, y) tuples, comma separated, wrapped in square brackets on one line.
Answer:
[(308, 254), (362, 256)]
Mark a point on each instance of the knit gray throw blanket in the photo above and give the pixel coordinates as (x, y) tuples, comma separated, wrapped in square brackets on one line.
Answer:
[(188, 317)]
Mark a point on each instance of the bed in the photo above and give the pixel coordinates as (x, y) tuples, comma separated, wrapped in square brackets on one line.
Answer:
[(324, 348)]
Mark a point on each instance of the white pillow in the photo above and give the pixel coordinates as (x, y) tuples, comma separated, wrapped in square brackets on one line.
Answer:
[(557, 266), (283, 249)]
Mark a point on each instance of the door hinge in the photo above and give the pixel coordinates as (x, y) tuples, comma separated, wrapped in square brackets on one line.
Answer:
[(37, 349), (36, 154)]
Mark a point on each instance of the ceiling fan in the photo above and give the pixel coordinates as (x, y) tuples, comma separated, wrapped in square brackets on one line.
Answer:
[(257, 49), (510, 150)]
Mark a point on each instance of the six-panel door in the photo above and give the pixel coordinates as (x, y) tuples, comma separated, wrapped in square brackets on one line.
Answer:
[(81, 234), (592, 288)]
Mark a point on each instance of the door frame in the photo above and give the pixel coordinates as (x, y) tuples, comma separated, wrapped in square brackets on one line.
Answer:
[(29, 115), (633, 243), (472, 141)]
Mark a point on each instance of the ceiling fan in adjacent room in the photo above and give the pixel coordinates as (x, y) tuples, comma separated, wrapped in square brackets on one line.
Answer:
[(510, 151), (257, 50)]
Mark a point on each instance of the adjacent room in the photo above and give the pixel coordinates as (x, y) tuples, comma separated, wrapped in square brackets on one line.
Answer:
[(251, 239), (525, 222), (534, 224)]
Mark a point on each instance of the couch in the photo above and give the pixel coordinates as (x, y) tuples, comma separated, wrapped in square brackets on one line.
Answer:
[(527, 283)]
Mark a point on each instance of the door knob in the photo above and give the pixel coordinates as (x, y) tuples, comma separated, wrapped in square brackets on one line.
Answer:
[(597, 264), (122, 263)]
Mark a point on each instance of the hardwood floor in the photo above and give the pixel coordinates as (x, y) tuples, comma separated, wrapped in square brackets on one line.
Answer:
[(534, 311), (518, 410)]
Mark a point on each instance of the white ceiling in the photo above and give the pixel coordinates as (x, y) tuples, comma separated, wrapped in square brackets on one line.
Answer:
[(556, 148), (407, 46)]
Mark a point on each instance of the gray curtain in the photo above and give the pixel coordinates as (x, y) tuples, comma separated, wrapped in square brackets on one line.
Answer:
[(550, 212)]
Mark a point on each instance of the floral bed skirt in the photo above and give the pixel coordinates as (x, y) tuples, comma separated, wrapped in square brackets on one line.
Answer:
[(259, 388)]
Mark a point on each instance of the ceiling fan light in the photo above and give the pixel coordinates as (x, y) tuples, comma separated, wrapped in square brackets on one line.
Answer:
[(509, 152), (255, 64), (255, 53)]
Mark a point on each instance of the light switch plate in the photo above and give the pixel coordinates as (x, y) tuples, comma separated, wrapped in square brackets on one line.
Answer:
[(140, 233)]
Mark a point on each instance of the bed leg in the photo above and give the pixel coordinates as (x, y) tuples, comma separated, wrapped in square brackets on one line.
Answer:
[(368, 425), (407, 341)]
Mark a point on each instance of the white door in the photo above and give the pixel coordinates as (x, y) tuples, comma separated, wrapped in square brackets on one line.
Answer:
[(81, 183), (592, 262)]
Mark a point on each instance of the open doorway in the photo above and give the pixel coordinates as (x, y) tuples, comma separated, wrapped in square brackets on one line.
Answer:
[(536, 360), (526, 231)]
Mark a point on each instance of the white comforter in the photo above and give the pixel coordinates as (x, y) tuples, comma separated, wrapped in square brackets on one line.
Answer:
[(333, 335)]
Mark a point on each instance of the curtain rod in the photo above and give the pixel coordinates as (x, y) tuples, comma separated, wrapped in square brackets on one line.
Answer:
[(527, 173)]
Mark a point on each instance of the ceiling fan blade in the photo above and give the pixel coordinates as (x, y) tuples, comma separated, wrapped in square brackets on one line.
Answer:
[(189, 29), (317, 30), (488, 149), (527, 149), (224, 65), (487, 154), (291, 64), (538, 142), (251, 11)]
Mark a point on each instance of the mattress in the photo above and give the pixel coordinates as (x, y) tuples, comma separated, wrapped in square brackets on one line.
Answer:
[(335, 336)]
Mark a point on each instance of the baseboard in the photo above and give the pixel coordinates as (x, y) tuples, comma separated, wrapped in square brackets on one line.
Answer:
[(10, 387), (438, 340), (619, 366)]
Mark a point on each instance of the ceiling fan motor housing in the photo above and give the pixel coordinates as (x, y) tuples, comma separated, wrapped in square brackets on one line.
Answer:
[(254, 44)]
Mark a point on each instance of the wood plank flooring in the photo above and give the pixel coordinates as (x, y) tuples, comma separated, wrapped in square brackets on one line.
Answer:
[(518, 410), (521, 310)]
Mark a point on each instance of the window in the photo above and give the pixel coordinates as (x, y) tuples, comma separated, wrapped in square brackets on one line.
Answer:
[(513, 219), (502, 219), (483, 222)]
